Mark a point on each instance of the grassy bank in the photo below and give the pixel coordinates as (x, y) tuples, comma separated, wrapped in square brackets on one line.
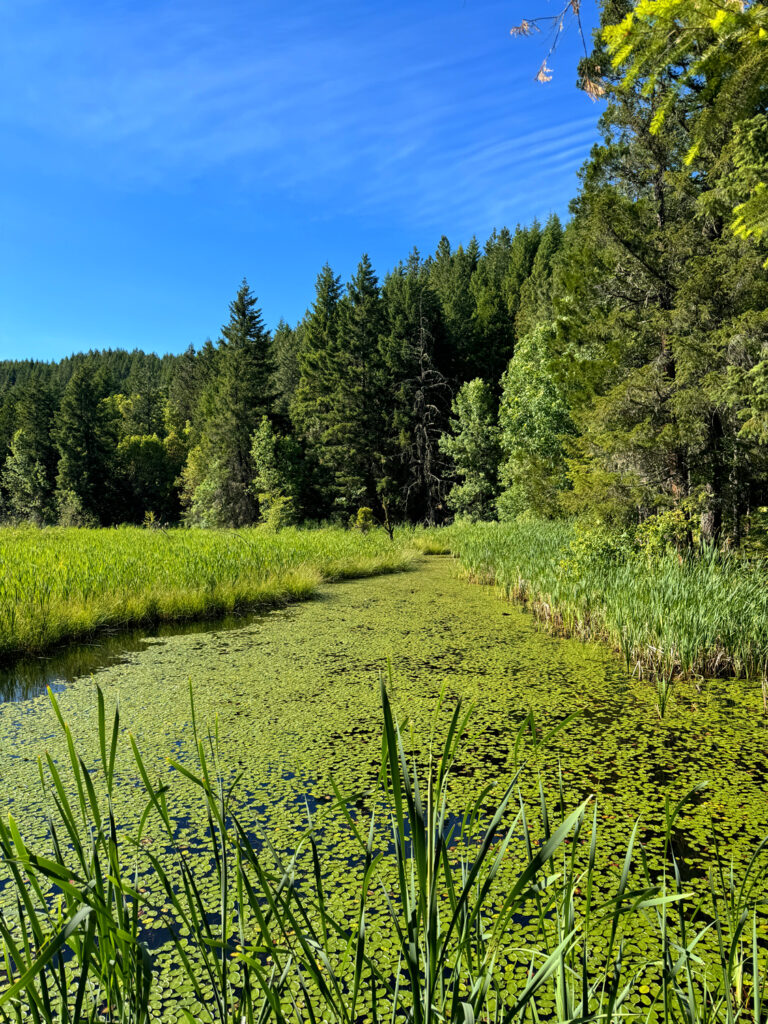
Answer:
[(703, 615), (58, 585)]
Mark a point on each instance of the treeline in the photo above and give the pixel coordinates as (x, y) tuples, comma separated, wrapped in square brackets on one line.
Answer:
[(614, 368), (349, 409)]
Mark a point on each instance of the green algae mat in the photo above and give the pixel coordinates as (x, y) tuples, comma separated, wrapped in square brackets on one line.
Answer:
[(295, 696)]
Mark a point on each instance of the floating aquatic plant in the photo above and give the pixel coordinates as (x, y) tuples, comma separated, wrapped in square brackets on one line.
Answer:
[(266, 941)]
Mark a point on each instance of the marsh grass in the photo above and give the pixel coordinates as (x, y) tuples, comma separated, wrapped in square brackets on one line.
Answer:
[(669, 616), (59, 585), (265, 943)]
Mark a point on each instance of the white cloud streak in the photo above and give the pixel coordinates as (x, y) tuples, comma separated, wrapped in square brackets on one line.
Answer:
[(357, 110)]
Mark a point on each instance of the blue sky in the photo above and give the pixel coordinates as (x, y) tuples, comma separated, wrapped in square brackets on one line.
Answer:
[(154, 153)]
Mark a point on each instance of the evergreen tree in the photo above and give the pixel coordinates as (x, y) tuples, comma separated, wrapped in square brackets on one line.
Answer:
[(239, 394), (143, 410), (450, 276), (191, 377), (494, 323), (716, 51), (661, 310), (473, 445), (29, 476), (350, 416), (26, 483), (85, 435), (311, 406), (358, 398), (286, 345), (535, 305)]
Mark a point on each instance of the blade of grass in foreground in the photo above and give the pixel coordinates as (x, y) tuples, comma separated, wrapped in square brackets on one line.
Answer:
[(261, 939)]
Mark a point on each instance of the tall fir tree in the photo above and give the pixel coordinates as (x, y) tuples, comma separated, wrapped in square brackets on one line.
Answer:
[(350, 443), (311, 407), (239, 394), (86, 437)]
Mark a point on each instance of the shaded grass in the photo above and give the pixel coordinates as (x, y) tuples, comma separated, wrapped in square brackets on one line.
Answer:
[(702, 615), (59, 585)]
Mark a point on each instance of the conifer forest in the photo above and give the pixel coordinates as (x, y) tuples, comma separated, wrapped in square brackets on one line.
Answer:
[(611, 367), (408, 662)]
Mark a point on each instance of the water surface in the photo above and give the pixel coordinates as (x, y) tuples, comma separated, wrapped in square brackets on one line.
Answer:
[(295, 696)]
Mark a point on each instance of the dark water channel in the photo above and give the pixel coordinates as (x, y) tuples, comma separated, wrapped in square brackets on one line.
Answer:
[(30, 677)]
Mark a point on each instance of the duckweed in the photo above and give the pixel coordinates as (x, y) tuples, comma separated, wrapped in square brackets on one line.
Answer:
[(294, 699)]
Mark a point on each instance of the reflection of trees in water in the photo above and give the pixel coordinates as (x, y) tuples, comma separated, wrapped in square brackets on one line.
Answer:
[(30, 677)]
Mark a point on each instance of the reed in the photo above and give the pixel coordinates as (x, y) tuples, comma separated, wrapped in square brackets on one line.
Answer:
[(670, 616), (58, 585), (267, 945)]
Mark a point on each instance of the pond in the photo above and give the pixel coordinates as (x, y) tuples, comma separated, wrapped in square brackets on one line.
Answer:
[(295, 695)]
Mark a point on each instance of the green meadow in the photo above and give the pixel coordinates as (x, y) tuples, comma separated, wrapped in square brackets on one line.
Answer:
[(61, 584)]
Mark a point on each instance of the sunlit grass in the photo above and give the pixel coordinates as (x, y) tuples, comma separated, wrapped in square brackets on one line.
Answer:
[(58, 585), (701, 615)]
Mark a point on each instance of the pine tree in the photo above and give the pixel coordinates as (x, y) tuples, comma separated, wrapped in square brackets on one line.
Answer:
[(239, 394), (85, 435)]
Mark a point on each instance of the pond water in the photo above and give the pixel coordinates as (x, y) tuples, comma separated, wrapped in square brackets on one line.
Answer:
[(30, 677), (296, 695)]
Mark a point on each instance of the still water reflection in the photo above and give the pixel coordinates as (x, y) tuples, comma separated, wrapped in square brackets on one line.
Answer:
[(30, 677)]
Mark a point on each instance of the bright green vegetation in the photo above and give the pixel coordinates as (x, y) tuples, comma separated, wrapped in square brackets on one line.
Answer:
[(612, 368), (294, 698), (668, 615), (278, 948), (66, 584), (723, 45)]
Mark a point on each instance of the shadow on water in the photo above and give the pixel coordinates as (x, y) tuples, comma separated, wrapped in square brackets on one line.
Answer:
[(29, 677)]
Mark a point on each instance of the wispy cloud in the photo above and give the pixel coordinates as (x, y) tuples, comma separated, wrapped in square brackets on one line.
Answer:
[(338, 104)]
